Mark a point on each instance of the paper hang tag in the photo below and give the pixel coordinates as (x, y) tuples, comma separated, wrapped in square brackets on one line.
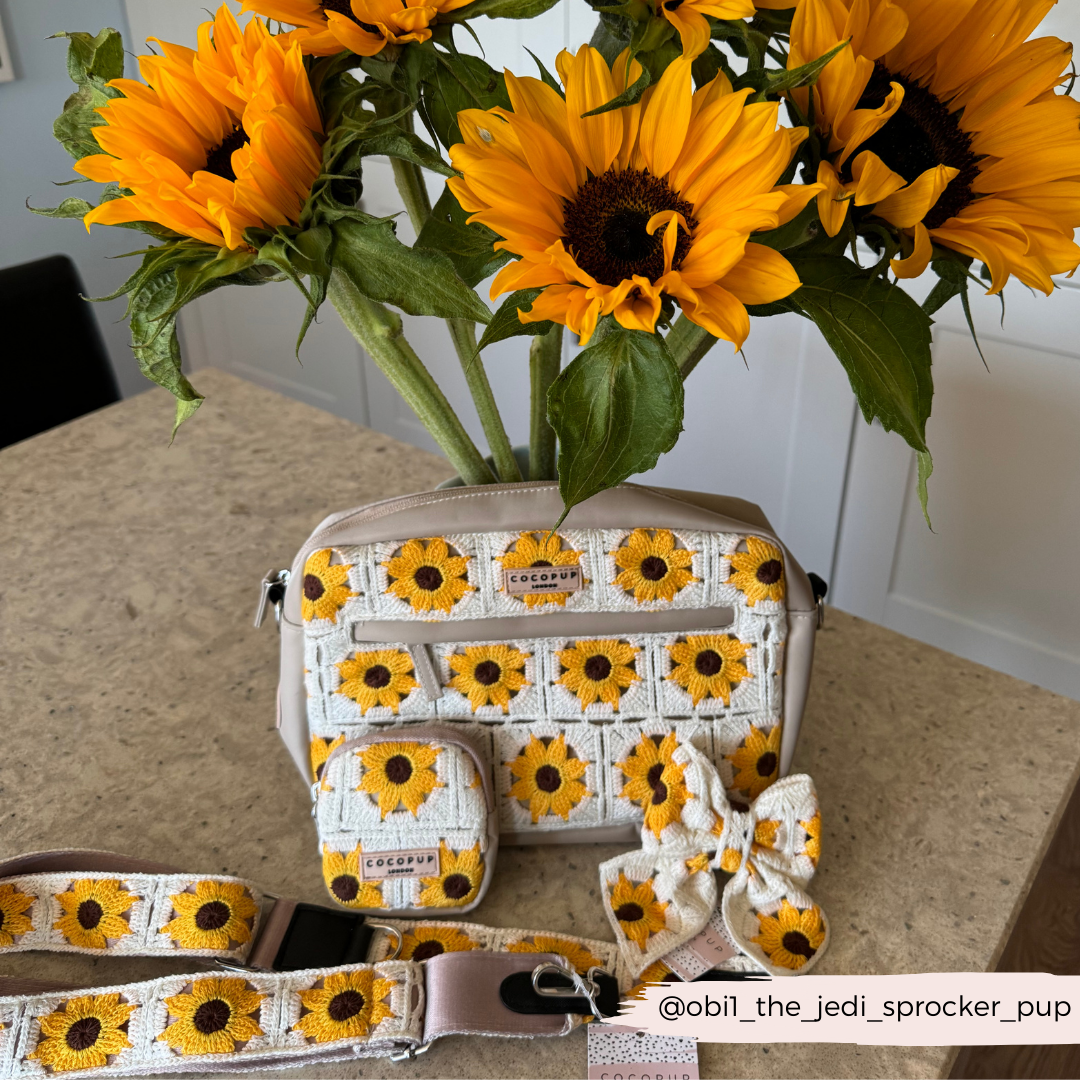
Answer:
[(708, 950), (416, 862), (542, 579), (616, 1052)]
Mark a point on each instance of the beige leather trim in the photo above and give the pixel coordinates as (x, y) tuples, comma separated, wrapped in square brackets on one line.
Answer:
[(798, 664), (81, 861), (630, 833)]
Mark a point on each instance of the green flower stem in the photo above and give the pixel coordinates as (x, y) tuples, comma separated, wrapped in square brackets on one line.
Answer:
[(545, 360), (378, 330), (688, 343)]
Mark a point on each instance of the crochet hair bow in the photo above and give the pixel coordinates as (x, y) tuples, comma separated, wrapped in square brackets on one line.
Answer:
[(662, 896)]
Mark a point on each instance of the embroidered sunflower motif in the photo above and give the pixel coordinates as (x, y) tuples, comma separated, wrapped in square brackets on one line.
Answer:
[(651, 567), (382, 677), (92, 913), (812, 847), (598, 671), (349, 1004), (655, 782), (489, 674), (709, 666), (213, 1018), (399, 772), (82, 1033), (430, 579), (211, 917), (12, 920), (757, 762), (653, 974), (548, 778), (792, 936), (321, 749), (639, 913), (341, 872), (325, 589), (574, 951), (424, 942), (758, 571), (540, 549), (459, 878)]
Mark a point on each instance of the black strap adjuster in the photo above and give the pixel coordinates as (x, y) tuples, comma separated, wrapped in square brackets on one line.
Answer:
[(323, 937), (549, 989)]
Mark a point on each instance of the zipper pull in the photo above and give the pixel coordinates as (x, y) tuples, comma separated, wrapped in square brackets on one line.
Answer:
[(274, 583)]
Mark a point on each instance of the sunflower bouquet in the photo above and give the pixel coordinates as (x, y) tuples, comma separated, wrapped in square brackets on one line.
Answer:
[(697, 163)]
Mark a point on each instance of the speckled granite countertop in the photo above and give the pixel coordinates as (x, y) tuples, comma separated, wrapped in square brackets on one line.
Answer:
[(137, 715)]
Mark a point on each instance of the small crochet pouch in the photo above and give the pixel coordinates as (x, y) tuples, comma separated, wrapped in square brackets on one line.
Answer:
[(406, 822)]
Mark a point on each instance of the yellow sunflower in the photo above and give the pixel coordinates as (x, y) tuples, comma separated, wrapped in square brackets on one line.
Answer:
[(213, 1018), (757, 761), (13, 921), (540, 549), (347, 1005), (382, 677), (651, 567), (399, 772), (639, 913), (430, 578), (609, 213), (792, 936), (213, 916), (598, 671), (946, 121), (688, 17), (93, 911), (709, 666), (364, 27), (489, 674), (655, 782), (765, 834), (341, 872), (224, 137), (574, 951), (547, 778), (83, 1033), (459, 878), (321, 749), (424, 942), (758, 571), (325, 587), (812, 847), (655, 973)]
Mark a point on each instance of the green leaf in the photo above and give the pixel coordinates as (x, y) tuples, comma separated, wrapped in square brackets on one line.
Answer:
[(406, 145), (926, 467), (469, 247), (954, 274), (419, 281), (799, 230), (611, 36), (781, 82), (461, 82), (616, 408), (506, 324), (500, 9), (79, 208), (92, 61), (709, 64), (630, 96), (546, 77), (99, 56)]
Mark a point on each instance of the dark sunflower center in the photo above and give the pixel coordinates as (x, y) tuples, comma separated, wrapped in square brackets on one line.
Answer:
[(398, 769), (708, 662), (345, 887), (427, 949), (597, 668), (212, 916), (313, 587), (428, 577), (629, 913), (769, 572), (798, 943), (487, 673), (344, 7), (83, 1033), (652, 777), (346, 1005), (653, 568), (541, 562), (89, 914), (219, 162), (659, 793), (211, 1016), (548, 778), (922, 134), (605, 226), (456, 886), (766, 764), (377, 676)]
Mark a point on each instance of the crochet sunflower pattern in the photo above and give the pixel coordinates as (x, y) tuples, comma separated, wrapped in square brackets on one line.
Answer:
[(13, 921), (547, 778), (540, 549), (709, 666), (458, 881), (488, 674), (651, 567), (382, 677), (93, 913), (655, 782), (341, 872), (757, 761), (574, 951), (213, 1018), (430, 579), (424, 942), (812, 847), (792, 936), (598, 671), (759, 571), (639, 913), (399, 773), (325, 589), (321, 749), (83, 1033), (347, 1005), (215, 916), (655, 973)]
